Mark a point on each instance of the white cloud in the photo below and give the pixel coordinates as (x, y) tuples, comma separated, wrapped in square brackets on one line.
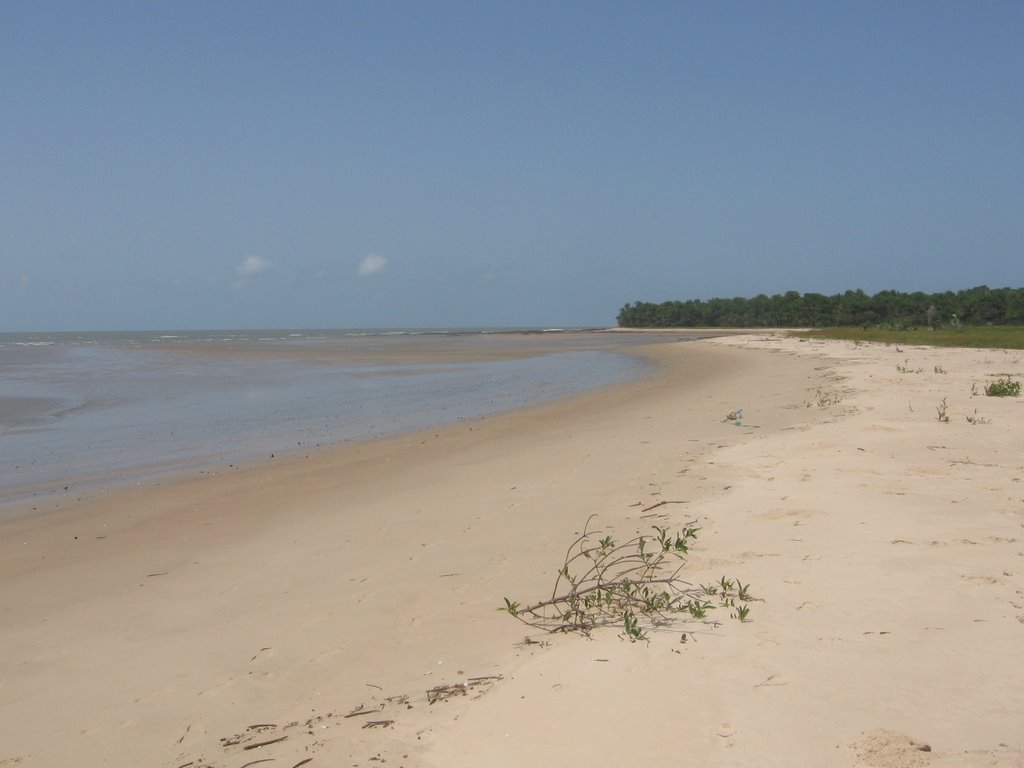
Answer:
[(372, 264), (253, 265)]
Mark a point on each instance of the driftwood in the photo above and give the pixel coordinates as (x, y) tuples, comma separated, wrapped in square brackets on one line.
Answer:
[(445, 692), (661, 504), (259, 744), (361, 710)]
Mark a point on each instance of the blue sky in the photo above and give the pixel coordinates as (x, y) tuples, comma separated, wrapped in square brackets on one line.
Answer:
[(248, 164)]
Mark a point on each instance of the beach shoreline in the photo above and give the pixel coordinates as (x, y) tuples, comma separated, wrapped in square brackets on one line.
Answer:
[(141, 408), (183, 623)]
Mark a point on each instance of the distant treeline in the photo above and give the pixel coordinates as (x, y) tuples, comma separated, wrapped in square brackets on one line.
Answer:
[(975, 306)]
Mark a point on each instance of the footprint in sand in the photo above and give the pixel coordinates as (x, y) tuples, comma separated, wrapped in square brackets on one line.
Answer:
[(883, 748), (726, 731)]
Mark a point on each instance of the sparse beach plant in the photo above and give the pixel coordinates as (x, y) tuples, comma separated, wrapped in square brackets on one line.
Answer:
[(743, 592), (634, 586), (942, 409), (940, 369), (698, 609), (976, 419), (1003, 387), (825, 399)]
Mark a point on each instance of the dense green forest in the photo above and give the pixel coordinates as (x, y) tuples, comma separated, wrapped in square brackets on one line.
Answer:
[(975, 306)]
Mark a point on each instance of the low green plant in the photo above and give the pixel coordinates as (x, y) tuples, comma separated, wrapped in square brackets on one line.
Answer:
[(743, 592), (1003, 387), (907, 369), (631, 627), (942, 411), (635, 586), (698, 609)]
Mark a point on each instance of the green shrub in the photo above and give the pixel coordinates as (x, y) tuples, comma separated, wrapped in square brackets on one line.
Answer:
[(1003, 387)]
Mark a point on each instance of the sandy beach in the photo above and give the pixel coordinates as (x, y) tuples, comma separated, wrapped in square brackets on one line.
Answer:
[(240, 617)]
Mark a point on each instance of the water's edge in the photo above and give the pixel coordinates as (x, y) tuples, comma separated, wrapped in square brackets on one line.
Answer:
[(82, 414)]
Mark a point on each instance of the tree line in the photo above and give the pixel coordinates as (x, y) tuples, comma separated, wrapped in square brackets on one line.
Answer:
[(974, 306)]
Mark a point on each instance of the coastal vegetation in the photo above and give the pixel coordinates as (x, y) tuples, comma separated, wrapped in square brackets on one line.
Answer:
[(891, 310), (633, 585), (1003, 387), (976, 337)]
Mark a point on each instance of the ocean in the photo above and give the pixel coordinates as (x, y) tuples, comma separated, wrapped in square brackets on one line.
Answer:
[(79, 411)]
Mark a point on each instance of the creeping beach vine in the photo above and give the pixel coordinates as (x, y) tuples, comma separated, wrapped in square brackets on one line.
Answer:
[(634, 585)]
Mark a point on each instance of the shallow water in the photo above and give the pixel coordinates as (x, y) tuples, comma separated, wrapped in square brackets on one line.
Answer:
[(85, 410)]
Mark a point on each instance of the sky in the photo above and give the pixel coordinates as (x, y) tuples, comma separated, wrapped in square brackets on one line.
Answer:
[(190, 165)]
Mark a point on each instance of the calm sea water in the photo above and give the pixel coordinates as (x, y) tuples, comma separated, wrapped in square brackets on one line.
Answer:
[(81, 410)]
